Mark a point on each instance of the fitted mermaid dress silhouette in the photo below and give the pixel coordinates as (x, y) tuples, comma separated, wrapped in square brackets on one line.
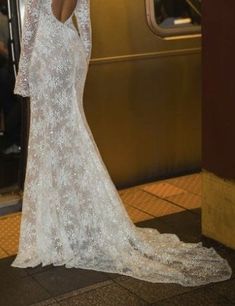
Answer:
[(72, 214)]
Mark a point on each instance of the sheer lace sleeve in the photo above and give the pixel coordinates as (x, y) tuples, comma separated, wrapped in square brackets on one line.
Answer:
[(28, 36), (82, 13)]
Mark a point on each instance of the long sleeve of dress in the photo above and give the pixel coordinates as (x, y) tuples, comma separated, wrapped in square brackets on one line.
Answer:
[(29, 30), (82, 14)]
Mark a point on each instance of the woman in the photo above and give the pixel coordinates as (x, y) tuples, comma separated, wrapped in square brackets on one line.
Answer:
[(72, 213)]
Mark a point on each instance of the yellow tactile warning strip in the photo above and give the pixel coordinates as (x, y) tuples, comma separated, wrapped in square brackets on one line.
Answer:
[(134, 195), (191, 183), (186, 200), (142, 202), (159, 208), (149, 204), (9, 234), (3, 253), (162, 190), (137, 215)]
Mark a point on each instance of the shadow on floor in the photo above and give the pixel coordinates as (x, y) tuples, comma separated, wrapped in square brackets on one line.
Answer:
[(60, 286)]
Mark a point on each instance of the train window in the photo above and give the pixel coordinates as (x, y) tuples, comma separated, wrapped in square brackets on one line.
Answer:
[(174, 18)]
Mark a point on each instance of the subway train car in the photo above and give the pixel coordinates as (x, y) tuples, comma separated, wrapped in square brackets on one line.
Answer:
[(143, 91)]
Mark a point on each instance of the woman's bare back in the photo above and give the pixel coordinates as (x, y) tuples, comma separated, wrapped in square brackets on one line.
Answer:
[(63, 9)]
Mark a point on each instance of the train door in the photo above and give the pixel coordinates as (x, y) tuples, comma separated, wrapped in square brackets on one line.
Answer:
[(13, 109)]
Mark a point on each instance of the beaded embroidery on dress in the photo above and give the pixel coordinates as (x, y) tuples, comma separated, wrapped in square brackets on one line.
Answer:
[(64, 221)]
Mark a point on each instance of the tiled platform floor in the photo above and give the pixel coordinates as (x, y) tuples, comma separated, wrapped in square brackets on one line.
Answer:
[(170, 206)]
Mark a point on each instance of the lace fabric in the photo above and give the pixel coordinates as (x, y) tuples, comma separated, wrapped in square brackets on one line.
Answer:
[(72, 214)]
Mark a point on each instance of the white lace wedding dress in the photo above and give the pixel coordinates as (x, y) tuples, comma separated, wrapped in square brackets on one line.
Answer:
[(72, 214)]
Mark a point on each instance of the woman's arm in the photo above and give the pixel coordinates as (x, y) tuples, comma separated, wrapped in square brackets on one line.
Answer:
[(82, 14), (29, 30)]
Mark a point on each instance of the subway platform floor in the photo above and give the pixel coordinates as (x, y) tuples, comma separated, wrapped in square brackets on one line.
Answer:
[(171, 206)]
